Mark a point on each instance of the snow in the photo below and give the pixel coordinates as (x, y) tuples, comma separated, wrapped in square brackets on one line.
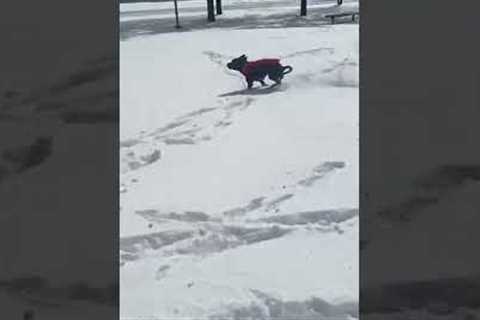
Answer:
[(230, 276), (232, 200)]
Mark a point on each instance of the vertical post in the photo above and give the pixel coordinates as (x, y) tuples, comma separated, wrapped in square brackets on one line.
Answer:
[(210, 10), (339, 2), (219, 6), (177, 24), (303, 7)]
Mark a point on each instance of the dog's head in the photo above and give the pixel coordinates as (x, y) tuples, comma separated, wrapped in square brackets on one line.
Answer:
[(237, 63)]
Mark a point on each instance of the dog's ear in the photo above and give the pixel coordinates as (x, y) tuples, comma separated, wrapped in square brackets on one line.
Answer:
[(243, 56)]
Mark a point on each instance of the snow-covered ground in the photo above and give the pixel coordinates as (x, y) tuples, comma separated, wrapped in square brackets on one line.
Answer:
[(238, 203)]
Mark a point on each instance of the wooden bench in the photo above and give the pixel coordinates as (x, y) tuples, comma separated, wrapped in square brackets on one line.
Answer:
[(332, 16)]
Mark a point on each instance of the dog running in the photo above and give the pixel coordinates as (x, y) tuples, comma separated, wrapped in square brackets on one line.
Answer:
[(259, 69)]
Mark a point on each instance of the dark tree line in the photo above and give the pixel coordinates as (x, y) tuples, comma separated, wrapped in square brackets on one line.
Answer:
[(211, 4)]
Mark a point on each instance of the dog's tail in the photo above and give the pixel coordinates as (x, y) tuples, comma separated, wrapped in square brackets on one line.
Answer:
[(287, 69)]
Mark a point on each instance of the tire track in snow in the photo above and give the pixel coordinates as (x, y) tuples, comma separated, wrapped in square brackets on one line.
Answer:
[(188, 129), (322, 217), (273, 202), (313, 51), (205, 233), (268, 203), (268, 307), (202, 239), (210, 236)]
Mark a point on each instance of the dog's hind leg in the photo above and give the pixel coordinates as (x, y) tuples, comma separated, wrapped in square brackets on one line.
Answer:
[(276, 76), (277, 79)]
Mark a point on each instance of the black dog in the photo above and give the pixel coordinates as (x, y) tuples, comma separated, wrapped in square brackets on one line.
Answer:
[(259, 69)]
